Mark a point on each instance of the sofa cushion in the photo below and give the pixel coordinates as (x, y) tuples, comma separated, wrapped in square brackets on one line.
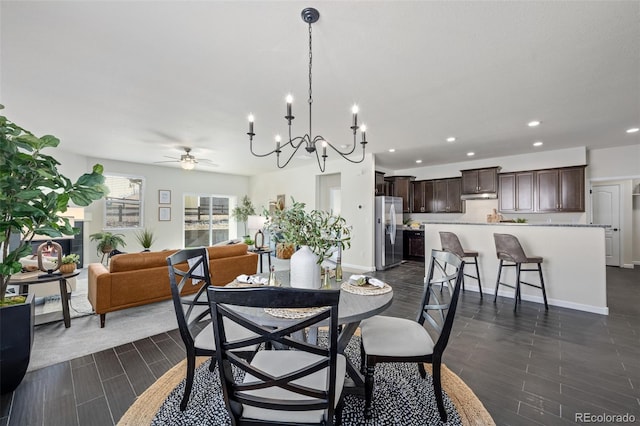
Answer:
[(232, 250), (137, 261)]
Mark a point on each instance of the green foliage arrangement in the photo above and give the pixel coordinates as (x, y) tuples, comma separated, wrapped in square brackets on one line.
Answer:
[(33, 194), (146, 238), (107, 241), (320, 230), (70, 259), (242, 211)]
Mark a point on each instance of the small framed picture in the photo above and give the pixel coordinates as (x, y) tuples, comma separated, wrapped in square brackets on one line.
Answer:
[(164, 196), (164, 213)]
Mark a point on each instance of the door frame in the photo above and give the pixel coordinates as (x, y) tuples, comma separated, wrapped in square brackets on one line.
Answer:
[(626, 214)]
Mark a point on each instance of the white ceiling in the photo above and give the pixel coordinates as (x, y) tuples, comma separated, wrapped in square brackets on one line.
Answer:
[(139, 80)]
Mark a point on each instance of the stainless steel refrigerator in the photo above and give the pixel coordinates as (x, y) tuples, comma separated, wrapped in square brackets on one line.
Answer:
[(388, 224)]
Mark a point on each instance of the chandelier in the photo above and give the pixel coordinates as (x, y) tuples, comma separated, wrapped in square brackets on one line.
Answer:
[(310, 143)]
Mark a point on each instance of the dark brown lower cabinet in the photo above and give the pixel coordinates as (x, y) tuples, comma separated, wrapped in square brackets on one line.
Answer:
[(414, 245)]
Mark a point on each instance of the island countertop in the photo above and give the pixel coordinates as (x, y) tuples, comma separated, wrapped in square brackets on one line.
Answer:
[(558, 225), (574, 263)]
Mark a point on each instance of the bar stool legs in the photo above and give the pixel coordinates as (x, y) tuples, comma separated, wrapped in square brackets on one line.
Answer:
[(508, 249)]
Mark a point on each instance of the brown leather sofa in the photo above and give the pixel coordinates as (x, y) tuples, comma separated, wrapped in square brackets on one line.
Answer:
[(136, 279)]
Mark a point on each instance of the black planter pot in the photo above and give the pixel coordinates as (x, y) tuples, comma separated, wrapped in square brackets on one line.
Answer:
[(16, 339)]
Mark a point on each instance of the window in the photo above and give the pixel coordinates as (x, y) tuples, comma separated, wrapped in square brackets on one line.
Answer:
[(206, 219), (123, 204)]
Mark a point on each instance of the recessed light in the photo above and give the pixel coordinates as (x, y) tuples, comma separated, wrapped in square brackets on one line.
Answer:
[(392, 150), (534, 123), (470, 154), (633, 130), (537, 143), (418, 161), (451, 139)]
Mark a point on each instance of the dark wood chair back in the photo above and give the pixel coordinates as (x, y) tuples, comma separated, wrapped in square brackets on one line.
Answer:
[(439, 306), (238, 393)]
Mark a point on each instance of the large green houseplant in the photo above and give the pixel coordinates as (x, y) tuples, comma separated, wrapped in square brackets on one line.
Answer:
[(33, 198)]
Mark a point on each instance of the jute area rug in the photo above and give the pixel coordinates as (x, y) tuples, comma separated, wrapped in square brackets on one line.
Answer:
[(159, 404)]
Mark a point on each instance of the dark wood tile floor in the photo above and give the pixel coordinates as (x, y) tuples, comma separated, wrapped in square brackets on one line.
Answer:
[(528, 368)]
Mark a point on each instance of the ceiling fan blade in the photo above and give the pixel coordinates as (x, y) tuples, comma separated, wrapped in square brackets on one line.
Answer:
[(167, 161)]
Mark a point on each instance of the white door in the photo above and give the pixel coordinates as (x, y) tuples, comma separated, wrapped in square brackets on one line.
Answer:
[(605, 201)]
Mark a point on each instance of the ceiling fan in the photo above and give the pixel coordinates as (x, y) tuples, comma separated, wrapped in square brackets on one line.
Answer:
[(186, 160)]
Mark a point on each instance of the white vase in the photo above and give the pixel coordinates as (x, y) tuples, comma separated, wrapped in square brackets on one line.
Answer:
[(305, 271)]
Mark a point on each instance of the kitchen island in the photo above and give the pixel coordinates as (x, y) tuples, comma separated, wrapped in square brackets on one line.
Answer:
[(574, 260)]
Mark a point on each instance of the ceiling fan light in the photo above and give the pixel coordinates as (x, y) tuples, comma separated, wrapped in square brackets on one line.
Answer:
[(187, 164)]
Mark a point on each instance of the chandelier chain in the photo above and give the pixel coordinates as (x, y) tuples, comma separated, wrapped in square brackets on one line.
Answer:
[(310, 63)]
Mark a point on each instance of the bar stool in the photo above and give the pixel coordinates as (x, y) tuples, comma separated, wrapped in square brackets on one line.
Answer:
[(508, 249), (451, 243)]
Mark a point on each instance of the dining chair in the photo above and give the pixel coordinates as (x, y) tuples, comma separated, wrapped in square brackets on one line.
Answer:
[(390, 339), (191, 267), (302, 382), (508, 249), (451, 242)]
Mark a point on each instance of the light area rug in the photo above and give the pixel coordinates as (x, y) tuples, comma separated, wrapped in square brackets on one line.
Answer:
[(53, 343), (143, 411)]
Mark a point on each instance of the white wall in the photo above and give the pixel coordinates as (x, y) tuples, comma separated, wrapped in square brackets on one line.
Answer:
[(357, 190), (621, 165), (635, 221), (169, 235)]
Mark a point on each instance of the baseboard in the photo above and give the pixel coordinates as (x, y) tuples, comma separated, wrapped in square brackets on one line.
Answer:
[(629, 265), (601, 310), (357, 268)]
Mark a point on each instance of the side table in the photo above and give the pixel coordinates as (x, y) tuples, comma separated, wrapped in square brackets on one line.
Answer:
[(24, 280), (261, 252)]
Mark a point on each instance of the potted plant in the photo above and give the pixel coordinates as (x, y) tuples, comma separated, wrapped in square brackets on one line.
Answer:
[(242, 212), (34, 194), (318, 233), (68, 263), (107, 242), (146, 238)]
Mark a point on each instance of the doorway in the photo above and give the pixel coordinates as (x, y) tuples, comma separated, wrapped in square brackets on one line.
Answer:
[(605, 202), (329, 193)]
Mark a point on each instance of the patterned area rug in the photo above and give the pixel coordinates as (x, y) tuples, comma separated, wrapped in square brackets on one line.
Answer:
[(401, 397)]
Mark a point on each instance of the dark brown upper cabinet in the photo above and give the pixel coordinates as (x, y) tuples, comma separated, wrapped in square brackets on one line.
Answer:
[(447, 194), (422, 196), (560, 190), (480, 181), (516, 192), (401, 186), (380, 184)]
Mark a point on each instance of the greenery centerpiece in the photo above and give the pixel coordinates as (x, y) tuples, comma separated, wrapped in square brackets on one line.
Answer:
[(321, 231), (242, 212), (318, 231), (34, 196)]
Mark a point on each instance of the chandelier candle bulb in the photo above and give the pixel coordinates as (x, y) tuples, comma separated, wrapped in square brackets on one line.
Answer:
[(354, 110), (251, 124), (289, 101), (363, 129)]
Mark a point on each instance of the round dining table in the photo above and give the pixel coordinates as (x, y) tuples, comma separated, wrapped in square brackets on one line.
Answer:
[(352, 309)]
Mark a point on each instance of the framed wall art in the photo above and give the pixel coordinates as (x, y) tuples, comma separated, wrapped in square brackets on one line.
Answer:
[(164, 213), (164, 196)]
